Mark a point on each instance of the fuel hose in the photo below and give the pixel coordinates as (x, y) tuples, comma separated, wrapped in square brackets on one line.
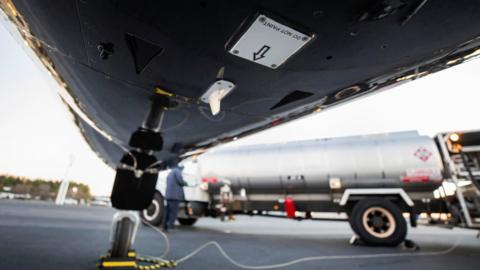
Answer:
[(299, 260)]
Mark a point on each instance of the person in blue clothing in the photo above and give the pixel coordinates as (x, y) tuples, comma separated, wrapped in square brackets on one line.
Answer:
[(174, 195)]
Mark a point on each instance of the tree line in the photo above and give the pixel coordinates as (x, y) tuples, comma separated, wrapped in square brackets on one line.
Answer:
[(42, 189)]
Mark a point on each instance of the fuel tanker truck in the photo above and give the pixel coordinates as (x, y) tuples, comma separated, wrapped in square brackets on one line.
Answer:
[(375, 180)]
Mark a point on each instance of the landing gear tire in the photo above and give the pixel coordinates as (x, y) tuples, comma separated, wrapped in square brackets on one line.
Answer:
[(123, 238), (187, 221), (155, 211), (378, 222)]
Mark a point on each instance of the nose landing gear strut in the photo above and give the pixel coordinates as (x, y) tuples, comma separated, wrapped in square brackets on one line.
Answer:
[(133, 190)]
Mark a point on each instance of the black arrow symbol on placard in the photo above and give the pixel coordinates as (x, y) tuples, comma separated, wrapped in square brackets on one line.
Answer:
[(261, 53)]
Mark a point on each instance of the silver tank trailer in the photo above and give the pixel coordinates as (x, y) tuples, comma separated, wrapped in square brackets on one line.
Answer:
[(403, 159)]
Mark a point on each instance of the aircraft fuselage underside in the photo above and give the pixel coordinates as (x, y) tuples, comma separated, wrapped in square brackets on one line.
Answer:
[(286, 59)]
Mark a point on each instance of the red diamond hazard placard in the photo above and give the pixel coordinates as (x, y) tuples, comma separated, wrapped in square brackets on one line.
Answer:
[(423, 154)]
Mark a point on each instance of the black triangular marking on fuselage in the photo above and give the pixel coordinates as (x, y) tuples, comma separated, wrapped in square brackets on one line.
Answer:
[(142, 51), (292, 97)]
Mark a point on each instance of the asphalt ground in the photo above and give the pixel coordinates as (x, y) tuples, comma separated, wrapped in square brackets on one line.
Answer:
[(37, 235)]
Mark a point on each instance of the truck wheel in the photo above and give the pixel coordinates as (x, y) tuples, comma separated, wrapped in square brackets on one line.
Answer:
[(187, 221), (154, 213), (378, 222)]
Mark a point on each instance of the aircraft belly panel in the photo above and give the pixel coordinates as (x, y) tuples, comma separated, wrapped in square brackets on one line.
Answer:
[(112, 55)]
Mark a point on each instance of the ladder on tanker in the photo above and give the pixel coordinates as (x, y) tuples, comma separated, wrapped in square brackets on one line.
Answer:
[(469, 194), (462, 160)]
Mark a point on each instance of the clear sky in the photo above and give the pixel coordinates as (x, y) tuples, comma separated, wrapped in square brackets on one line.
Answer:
[(38, 137), (37, 134)]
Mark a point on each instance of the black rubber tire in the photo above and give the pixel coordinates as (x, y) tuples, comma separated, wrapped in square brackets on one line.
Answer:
[(123, 238), (155, 218), (187, 221), (356, 222)]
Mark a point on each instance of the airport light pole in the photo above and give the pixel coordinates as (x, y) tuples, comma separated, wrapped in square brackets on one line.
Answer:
[(63, 189)]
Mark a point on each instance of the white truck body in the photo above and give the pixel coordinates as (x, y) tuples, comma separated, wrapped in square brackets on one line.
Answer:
[(305, 169), (372, 179)]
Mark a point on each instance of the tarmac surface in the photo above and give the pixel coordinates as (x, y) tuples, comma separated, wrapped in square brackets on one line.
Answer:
[(37, 236)]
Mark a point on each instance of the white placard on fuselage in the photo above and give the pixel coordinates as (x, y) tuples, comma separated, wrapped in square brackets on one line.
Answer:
[(269, 43)]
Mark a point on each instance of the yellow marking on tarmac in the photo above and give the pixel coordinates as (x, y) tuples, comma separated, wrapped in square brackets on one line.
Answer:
[(119, 264)]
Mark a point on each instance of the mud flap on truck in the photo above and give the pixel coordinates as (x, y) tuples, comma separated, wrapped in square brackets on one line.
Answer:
[(413, 217)]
